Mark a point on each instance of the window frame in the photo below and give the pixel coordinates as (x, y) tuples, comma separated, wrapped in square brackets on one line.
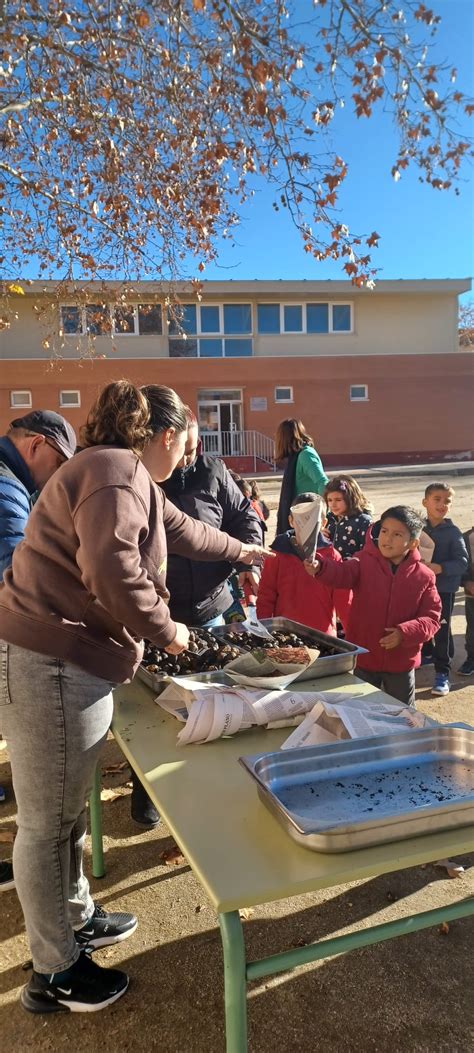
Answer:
[(126, 308), (330, 304), (21, 405), (357, 398), (283, 387), (70, 405)]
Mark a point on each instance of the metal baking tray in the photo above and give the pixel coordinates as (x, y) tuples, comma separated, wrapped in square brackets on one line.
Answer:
[(331, 665), (363, 792)]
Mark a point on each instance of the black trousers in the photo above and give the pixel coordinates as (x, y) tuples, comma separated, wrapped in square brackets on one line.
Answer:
[(399, 685), (441, 647), (470, 627)]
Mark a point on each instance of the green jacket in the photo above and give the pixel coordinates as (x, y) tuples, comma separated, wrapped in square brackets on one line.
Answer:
[(310, 475)]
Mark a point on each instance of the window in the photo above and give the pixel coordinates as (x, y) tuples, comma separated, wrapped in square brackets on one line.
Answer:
[(183, 348), (210, 348), (71, 399), (210, 319), (97, 319), (237, 348), (149, 319), (268, 317), (71, 320), (359, 393), (341, 318), (292, 318), (185, 322), (125, 320), (317, 317), (237, 318), (20, 400), (283, 394)]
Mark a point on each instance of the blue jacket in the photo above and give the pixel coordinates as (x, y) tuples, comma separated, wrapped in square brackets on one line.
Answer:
[(450, 550), (17, 493)]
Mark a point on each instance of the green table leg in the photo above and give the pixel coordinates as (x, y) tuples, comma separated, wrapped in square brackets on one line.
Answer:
[(235, 983), (95, 811)]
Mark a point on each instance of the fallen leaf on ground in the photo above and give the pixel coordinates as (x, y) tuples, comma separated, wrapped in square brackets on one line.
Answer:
[(3, 744), (452, 868), (7, 837), (111, 795), (444, 928), (173, 857), (27, 965), (246, 913), (112, 769)]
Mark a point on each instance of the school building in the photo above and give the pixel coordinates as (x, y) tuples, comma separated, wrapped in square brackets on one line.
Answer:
[(377, 376)]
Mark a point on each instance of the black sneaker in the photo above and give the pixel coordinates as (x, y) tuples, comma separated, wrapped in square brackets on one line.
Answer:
[(103, 929), (88, 989), (467, 668), (7, 880)]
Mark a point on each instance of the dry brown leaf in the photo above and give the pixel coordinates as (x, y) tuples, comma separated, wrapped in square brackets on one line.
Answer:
[(111, 795), (453, 869), (7, 837), (3, 744), (444, 928), (173, 857), (246, 913)]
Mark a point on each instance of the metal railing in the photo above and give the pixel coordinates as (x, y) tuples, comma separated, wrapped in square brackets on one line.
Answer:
[(240, 444)]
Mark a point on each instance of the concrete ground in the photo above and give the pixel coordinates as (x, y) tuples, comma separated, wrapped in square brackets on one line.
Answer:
[(412, 995)]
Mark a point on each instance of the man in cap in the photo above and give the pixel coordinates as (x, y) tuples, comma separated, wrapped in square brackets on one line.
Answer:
[(31, 451)]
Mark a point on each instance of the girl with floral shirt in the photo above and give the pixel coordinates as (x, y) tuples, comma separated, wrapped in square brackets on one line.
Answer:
[(349, 515)]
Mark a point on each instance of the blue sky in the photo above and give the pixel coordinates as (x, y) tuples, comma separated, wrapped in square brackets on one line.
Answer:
[(424, 233)]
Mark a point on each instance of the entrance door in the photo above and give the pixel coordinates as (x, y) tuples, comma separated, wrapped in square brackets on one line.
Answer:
[(220, 422)]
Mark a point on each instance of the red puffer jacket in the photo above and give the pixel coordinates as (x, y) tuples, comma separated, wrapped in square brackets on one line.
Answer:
[(287, 591), (407, 599)]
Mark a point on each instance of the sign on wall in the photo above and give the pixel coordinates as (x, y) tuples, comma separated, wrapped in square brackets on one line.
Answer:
[(258, 403)]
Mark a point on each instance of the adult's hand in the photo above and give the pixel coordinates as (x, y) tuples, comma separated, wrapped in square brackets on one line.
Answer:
[(180, 641), (254, 555)]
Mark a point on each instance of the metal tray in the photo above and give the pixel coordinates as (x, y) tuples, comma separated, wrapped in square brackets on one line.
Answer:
[(332, 665), (364, 792)]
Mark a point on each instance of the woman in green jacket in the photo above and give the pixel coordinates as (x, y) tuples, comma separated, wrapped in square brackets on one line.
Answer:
[(304, 472)]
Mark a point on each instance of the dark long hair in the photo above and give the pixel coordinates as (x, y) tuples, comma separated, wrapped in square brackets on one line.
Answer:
[(291, 437)]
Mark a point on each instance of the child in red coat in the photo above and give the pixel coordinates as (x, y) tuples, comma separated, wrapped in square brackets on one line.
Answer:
[(286, 590), (395, 606)]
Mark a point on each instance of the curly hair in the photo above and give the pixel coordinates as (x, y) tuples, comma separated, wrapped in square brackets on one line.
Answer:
[(120, 415), (355, 500)]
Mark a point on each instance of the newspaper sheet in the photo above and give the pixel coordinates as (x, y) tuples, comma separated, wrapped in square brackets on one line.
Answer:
[(307, 520), (252, 670), (354, 718)]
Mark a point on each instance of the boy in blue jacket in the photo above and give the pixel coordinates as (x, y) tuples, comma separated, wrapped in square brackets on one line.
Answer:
[(449, 563)]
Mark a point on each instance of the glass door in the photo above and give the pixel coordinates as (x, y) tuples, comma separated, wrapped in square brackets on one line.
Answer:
[(220, 422)]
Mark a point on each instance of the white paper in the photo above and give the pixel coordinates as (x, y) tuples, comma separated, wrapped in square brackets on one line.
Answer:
[(245, 670), (426, 546), (214, 712), (353, 717), (307, 519)]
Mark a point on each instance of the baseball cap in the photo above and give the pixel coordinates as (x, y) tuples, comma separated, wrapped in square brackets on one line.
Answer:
[(53, 427)]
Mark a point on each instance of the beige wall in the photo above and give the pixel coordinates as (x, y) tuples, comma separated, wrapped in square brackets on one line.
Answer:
[(384, 324)]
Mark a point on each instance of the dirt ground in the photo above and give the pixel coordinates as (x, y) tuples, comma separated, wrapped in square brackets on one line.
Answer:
[(411, 995)]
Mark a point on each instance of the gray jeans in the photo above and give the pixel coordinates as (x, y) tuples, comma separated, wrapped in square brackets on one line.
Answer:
[(55, 718), (399, 685)]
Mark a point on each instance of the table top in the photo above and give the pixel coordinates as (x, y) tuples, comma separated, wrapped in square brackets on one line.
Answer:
[(237, 849)]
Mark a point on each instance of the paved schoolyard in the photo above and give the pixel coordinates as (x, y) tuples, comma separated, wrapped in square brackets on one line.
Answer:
[(412, 995)]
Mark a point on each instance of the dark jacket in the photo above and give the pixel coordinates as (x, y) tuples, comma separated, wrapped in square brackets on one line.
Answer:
[(286, 589), (450, 551), (17, 493), (387, 598), (468, 538), (207, 492), (348, 533)]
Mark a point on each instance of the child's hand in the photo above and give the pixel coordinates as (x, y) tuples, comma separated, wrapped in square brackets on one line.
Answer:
[(393, 639), (435, 567), (312, 567)]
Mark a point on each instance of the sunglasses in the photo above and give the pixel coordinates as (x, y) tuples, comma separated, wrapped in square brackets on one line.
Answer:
[(58, 453)]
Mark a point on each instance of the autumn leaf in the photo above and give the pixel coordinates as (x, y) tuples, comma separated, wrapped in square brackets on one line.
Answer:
[(444, 928), (107, 794), (7, 837), (246, 912), (173, 857), (112, 769), (142, 19), (16, 289)]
